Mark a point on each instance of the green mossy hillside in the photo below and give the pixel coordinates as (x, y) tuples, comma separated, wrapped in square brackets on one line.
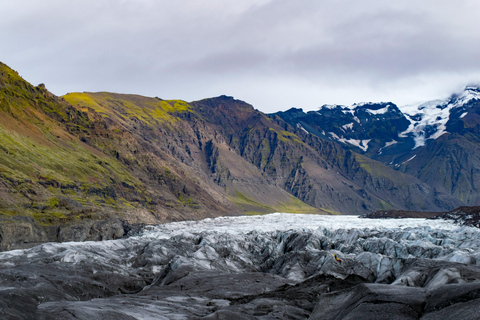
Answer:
[(151, 111)]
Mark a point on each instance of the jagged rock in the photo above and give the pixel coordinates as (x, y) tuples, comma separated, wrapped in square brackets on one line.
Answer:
[(25, 232), (469, 216), (21, 232), (91, 230)]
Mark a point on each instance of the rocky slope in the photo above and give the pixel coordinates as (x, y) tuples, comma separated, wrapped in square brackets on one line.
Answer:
[(318, 172)]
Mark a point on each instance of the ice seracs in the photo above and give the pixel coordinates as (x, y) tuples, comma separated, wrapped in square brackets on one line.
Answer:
[(243, 266)]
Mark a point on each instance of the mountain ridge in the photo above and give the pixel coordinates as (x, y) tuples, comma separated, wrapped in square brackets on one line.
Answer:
[(436, 142)]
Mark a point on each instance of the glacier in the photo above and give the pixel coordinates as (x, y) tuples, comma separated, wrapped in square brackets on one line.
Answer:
[(435, 113), (276, 266)]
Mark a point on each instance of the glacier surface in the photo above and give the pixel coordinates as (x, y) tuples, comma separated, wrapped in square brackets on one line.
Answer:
[(277, 266)]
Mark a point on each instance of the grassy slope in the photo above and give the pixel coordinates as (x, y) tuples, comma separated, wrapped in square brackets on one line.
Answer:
[(151, 111), (41, 163)]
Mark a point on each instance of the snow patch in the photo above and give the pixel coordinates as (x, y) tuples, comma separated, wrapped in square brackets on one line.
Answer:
[(302, 128), (391, 143), (387, 144), (346, 110), (463, 115), (379, 111), (331, 106), (334, 135), (360, 104), (362, 144), (433, 113), (409, 159), (348, 126)]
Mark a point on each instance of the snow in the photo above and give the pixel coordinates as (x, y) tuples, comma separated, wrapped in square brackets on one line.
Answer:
[(331, 106), (463, 115), (379, 111), (387, 144), (470, 93), (335, 136), (302, 128), (362, 144), (360, 104), (348, 126), (408, 160), (435, 113), (345, 111)]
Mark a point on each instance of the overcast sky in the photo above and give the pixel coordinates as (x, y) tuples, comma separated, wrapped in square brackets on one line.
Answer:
[(274, 54)]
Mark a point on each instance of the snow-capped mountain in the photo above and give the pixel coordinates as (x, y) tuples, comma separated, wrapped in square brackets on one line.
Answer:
[(372, 128), (428, 120), (436, 141), (359, 126)]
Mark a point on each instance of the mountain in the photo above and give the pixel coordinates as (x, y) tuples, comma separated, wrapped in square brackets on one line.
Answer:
[(436, 141), (93, 165)]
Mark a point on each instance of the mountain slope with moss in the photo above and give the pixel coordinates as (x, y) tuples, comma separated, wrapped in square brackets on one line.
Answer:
[(100, 156)]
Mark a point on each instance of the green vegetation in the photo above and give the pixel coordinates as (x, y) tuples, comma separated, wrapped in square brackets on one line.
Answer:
[(150, 111), (24, 158), (286, 136), (332, 212), (252, 206), (383, 205), (40, 163)]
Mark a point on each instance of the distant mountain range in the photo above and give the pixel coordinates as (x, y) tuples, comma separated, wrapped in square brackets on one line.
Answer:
[(436, 141), (68, 163)]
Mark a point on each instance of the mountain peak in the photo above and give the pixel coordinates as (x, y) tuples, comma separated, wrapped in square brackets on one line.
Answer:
[(473, 88)]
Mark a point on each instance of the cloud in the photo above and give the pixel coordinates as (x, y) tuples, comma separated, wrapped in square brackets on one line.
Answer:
[(273, 54)]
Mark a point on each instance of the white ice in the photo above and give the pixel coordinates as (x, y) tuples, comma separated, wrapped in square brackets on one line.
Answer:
[(237, 244), (435, 113)]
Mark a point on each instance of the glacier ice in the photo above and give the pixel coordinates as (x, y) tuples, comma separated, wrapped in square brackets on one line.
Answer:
[(217, 261)]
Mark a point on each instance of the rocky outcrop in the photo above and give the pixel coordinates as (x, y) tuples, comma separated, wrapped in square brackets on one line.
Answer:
[(318, 172), (468, 216), (21, 233), (24, 232)]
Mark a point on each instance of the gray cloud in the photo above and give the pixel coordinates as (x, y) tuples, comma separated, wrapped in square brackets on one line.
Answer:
[(274, 54)]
